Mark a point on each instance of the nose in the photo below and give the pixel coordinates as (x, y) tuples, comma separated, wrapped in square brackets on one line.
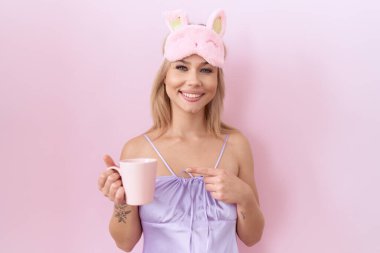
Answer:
[(193, 78)]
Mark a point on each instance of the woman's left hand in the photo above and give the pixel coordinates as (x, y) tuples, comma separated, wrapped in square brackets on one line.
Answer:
[(224, 185)]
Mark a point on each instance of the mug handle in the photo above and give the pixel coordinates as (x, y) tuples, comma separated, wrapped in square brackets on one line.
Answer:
[(113, 168), (117, 170)]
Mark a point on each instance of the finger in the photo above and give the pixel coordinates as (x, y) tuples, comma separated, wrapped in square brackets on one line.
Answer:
[(211, 187), (213, 180), (120, 196), (113, 189), (102, 180), (204, 171), (110, 179), (108, 160), (216, 195), (103, 177)]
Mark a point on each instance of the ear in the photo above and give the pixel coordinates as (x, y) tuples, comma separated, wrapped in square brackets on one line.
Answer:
[(217, 22), (176, 19)]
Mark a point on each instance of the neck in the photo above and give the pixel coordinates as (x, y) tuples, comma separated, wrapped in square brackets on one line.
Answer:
[(185, 124)]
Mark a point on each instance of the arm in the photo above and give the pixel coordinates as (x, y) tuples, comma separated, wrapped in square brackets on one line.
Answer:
[(124, 226), (250, 223)]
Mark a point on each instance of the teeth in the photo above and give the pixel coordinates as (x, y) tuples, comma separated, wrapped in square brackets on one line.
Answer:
[(189, 95)]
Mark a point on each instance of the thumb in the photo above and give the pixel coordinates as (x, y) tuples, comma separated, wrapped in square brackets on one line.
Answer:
[(108, 160)]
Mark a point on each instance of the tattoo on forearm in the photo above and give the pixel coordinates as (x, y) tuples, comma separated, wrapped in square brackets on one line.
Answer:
[(121, 212), (242, 214)]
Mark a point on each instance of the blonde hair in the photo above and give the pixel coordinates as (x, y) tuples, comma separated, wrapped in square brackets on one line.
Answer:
[(162, 112)]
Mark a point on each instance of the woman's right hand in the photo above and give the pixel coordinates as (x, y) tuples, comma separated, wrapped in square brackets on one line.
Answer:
[(109, 183)]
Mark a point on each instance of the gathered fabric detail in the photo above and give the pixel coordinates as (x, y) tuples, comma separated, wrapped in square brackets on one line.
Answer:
[(184, 217)]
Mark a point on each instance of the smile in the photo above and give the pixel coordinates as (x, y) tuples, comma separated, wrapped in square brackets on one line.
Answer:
[(191, 97)]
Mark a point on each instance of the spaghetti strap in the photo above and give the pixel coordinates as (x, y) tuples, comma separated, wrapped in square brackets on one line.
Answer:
[(221, 151), (159, 154)]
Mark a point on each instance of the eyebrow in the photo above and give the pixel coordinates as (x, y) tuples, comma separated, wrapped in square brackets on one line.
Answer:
[(189, 63)]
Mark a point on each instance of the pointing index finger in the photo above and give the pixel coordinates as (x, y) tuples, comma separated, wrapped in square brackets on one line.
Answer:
[(203, 171)]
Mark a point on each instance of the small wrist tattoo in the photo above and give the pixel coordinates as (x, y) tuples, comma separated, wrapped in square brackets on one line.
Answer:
[(121, 212), (242, 214)]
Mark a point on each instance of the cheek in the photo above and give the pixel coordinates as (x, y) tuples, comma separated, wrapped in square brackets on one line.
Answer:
[(172, 82), (213, 86), (170, 91), (214, 93)]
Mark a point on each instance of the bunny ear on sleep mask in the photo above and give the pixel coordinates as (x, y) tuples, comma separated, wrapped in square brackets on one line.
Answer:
[(176, 19), (217, 22), (187, 39)]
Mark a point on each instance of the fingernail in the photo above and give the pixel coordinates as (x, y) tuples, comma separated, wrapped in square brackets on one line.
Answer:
[(188, 169)]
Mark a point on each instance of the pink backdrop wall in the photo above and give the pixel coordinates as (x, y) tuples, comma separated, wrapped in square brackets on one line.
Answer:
[(302, 84)]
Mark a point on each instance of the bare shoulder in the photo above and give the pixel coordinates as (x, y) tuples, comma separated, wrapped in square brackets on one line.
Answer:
[(240, 148), (239, 143), (134, 147)]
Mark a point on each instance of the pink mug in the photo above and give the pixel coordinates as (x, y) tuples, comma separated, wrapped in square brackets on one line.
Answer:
[(139, 179)]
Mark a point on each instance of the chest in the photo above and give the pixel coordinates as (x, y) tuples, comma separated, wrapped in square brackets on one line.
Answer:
[(180, 156)]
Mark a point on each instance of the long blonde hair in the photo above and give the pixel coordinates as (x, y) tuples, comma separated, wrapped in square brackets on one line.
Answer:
[(161, 107)]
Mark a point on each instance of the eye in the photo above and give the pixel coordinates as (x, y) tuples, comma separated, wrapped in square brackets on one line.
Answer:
[(181, 67), (206, 70)]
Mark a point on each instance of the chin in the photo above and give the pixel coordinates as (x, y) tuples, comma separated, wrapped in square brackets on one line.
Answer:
[(194, 110)]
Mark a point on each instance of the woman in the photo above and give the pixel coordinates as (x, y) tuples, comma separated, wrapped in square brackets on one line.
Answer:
[(205, 189)]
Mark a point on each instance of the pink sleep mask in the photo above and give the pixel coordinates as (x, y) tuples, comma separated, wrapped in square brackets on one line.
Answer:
[(186, 39)]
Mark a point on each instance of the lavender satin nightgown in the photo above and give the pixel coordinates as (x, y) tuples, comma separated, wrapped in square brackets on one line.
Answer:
[(185, 218)]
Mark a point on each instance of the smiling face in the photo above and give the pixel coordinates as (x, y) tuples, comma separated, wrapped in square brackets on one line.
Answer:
[(191, 83)]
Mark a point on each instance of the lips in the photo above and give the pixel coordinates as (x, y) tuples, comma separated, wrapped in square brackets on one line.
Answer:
[(191, 96)]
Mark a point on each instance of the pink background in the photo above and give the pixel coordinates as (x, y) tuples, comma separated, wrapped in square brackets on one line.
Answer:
[(302, 84)]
